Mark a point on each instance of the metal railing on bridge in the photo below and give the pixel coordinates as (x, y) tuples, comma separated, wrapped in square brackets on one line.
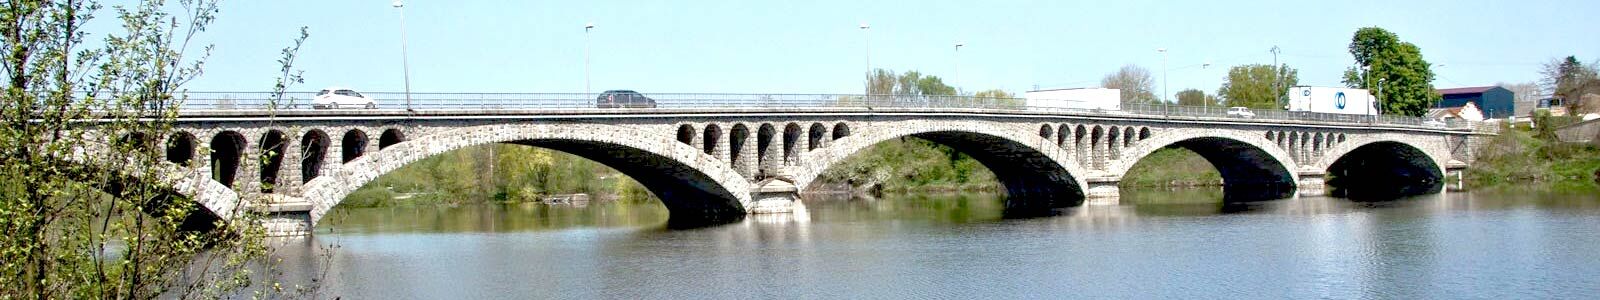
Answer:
[(552, 101)]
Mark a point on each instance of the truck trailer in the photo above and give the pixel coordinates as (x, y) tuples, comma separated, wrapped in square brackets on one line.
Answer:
[(1080, 98), (1333, 100)]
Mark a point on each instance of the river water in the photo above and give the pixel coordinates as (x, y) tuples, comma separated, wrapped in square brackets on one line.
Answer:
[(1452, 245)]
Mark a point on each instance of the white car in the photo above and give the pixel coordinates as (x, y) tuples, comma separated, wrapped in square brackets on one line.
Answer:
[(1241, 112), (1433, 123), (336, 98)]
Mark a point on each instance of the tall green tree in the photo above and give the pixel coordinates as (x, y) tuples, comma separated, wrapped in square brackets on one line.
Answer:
[(1134, 81), (1258, 86), (1393, 69)]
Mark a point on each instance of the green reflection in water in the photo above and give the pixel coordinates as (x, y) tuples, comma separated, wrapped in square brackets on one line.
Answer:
[(508, 217), (935, 207)]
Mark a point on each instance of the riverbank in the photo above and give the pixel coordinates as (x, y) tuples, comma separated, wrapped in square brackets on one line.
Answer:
[(1518, 156)]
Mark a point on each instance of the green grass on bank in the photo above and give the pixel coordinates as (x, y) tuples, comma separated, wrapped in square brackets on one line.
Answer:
[(1518, 156)]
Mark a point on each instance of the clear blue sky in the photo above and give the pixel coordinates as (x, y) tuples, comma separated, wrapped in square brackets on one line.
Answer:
[(816, 47)]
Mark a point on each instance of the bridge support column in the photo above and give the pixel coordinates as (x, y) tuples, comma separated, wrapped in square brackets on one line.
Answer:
[(1103, 191), (292, 219), (1312, 184), (774, 196), (1455, 179)]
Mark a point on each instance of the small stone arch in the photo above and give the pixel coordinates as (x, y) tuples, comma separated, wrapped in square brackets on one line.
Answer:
[(815, 136), (1270, 135), (273, 148), (791, 143), (390, 137), (1127, 136), (1079, 149), (180, 148), (227, 151), (1045, 131), (313, 150), (1062, 133), (1317, 143), (712, 139), (841, 130), (1114, 142), (737, 137), (686, 134), (353, 145), (764, 143), (1144, 133), (1096, 151)]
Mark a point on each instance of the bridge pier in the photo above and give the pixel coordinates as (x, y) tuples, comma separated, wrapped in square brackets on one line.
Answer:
[(1103, 191), (774, 196), (287, 216), (1312, 184)]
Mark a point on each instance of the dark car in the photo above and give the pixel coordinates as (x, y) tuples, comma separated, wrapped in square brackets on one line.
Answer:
[(623, 99)]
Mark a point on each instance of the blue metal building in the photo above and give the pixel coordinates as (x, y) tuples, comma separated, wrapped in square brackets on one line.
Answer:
[(1494, 101)]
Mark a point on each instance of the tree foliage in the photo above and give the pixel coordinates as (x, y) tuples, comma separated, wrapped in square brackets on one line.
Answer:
[(1194, 97), (82, 213), (1393, 69), (1569, 79), (886, 82), (1258, 86), (1134, 81)]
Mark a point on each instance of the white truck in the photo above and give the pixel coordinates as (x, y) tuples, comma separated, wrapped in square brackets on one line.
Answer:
[(1080, 98), (1332, 100)]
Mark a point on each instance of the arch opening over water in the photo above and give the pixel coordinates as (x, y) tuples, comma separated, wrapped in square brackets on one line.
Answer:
[(696, 188), (1247, 172), (1383, 171), (1034, 183)]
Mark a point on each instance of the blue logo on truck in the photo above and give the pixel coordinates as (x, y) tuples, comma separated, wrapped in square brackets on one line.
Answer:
[(1338, 100)]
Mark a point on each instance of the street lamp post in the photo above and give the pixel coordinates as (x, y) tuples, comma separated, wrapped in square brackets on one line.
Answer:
[(405, 65), (1204, 104), (867, 33), (957, 81), (1163, 73), (586, 87)]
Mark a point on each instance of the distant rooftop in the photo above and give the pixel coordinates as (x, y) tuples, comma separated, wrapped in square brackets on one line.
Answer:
[(1465, 90)]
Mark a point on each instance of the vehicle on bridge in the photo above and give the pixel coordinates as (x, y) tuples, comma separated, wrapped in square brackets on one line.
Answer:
[(1242, 112), (623, 99), (1332, 100), (335, 98)]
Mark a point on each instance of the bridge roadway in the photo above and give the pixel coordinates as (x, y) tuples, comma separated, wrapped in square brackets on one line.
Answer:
[(711, 165)]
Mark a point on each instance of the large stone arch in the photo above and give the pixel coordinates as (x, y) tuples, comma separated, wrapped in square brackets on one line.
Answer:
[(1252, 167), (1391, 165), (1031, 168), (695, 186)]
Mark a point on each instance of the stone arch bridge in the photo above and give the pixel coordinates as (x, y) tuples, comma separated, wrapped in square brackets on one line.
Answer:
[(719, 164)]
